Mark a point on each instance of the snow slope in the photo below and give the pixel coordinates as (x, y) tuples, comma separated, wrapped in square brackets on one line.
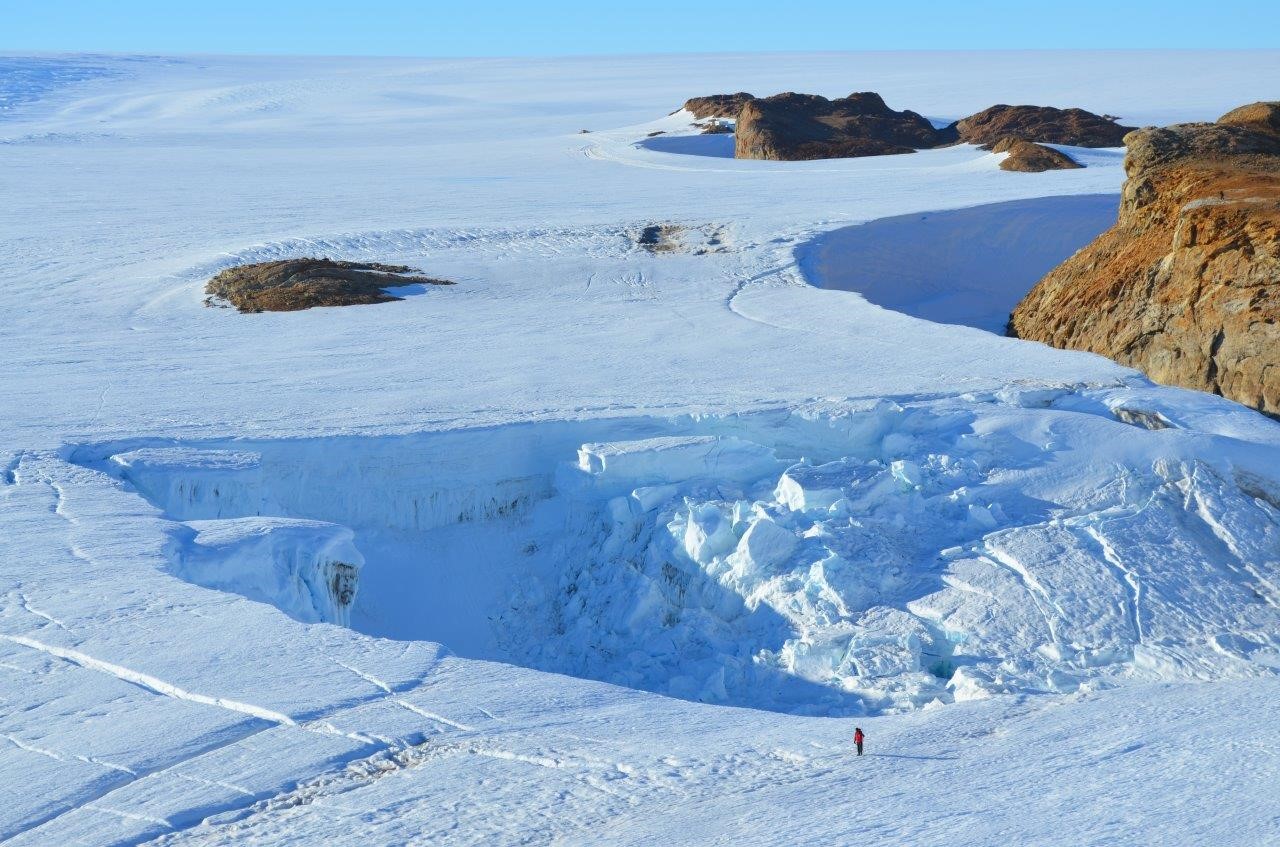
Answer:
[(500, 562)]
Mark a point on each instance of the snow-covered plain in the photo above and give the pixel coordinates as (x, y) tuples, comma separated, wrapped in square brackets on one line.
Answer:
[(504, 562)]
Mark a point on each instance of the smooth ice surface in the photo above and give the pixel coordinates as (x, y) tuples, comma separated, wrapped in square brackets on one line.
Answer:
[(970, 266), (596, 497), (717, 145)]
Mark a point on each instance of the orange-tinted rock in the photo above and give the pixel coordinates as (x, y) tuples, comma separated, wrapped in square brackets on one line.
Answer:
[(1186, 285), (1259, 117)]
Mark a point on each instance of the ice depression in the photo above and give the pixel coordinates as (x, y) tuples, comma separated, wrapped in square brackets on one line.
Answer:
[(181, 164), (840, 558)]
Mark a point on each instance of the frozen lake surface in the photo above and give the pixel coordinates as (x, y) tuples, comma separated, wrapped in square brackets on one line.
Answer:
[(969, 266)]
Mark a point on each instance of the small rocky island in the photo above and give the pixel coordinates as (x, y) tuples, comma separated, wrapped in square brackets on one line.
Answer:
[(1030, 157), (290, 285), (1045, 124), (1186, 285)]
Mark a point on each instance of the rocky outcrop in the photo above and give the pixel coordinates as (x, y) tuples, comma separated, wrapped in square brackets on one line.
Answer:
[(717, 105), (1029, 157), (1186, 285), (794, 126), (294, 284), (1259, 117), (1045, 124), (806, 126)]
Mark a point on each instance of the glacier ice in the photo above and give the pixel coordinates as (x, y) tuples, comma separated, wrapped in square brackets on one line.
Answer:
[(875, 557), (309, 569)]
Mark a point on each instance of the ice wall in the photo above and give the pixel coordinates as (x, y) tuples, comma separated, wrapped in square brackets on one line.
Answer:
[(310, 569), (842, 558)]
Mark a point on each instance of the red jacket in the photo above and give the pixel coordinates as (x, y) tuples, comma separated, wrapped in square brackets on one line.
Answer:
[(857, 737)]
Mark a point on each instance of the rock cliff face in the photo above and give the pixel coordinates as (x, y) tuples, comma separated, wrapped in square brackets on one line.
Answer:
[(1041, 123), (1186, 285), (806, 126), (717, 105), (1029, 157)]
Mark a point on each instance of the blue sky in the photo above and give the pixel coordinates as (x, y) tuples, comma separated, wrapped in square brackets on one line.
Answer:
[(573, 27)]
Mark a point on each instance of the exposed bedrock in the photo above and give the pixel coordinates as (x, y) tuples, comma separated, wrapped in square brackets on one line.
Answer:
[(1046, 124), (717, 105), (1029, 157), (792, 126), (806, 126), (290, 285), (1186, 285)]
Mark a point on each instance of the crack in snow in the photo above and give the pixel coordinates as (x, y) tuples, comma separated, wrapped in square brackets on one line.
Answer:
[(230, 786), (1035, 590), (369, 678), (130, 816), (136, 776), (151, 683), (62, 757), (432, 716), (1133, 609), (26, 604)]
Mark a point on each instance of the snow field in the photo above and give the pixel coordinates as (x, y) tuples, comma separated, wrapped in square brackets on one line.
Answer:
[(256, 568)]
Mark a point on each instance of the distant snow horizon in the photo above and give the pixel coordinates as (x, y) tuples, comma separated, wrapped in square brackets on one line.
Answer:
[(502, 28)]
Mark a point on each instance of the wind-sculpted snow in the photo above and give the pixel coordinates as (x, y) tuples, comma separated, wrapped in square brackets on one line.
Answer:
[(839, 560), (25, 80)]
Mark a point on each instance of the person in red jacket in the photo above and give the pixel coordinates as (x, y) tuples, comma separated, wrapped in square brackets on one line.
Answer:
[(857, 738)]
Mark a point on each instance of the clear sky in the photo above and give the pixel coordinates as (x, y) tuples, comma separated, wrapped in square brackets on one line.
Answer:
[(568, 27)]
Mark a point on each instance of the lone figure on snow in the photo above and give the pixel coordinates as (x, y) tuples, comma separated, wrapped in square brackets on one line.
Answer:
[(857, 738)]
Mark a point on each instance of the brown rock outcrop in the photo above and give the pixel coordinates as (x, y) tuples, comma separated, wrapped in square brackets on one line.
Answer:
[(1259, 117), (1186, 285), (1029, 157), (1046, 124), (294, 284), (806, 126), (717, 105)]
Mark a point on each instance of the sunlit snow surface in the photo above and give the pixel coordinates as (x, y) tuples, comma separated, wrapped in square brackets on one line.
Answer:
[(687, 480)]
